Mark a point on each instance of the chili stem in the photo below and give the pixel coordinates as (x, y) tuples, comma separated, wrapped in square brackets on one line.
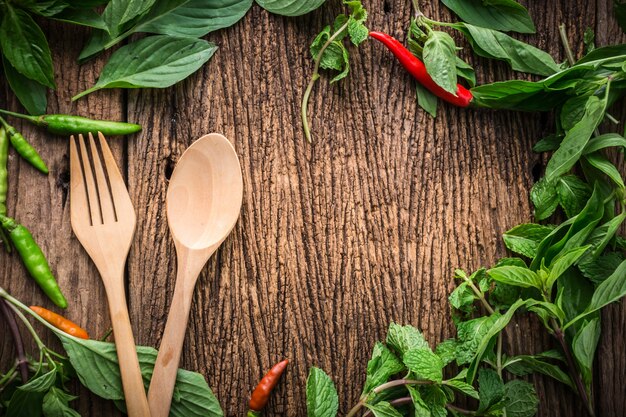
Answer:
[(565, 41), (573, 369), (22, 361), (314, 77), (383, 387)]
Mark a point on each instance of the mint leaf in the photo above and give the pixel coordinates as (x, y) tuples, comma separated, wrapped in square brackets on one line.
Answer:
[(321, 395), (440, 60), (404, 338), (383, 409), (490, 389), (381, 367), (424, 364), (520, 399), (525, 238)]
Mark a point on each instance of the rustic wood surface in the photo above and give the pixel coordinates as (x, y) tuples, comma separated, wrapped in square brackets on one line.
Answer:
[(336, 239)]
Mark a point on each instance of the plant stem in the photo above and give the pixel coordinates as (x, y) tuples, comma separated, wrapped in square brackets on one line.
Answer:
[(383, 387), (22, 361), (314, 77), (565, 41), (394, 403), (573, 369)]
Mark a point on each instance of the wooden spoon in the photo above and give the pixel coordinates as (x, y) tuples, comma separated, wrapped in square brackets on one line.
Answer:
[(203, 204)]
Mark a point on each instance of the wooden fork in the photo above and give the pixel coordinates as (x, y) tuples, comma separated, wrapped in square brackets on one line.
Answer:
[(103, 220)]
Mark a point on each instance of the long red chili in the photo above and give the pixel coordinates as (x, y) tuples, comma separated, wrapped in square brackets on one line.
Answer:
[(417, 69), (261, 394)]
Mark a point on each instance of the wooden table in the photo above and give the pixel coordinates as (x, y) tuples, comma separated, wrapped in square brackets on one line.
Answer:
[(336, 239)]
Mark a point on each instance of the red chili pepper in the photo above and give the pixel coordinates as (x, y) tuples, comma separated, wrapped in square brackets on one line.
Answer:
[(261, 393), (417, 69)]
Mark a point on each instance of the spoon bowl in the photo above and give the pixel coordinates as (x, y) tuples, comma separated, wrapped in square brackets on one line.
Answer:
[(203, 204)]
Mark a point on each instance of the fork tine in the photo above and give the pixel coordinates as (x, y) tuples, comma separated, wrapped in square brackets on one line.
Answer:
[(106, 202), (78, 193), (92, 194), (121, 199)]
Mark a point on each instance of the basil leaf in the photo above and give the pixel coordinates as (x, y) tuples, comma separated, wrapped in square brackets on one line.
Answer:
[(119, 12), (584, 347), (27, 399), (25, 46), (496, 45), (424, 364), (321, 395), (426, 100), (193, 18), (381, 367), (56, 404), (156, 62), (503, 15), (30, 93), (573, 194), (83, 17), (520, 399), (576, 139), (290, 7), (525, 238), (440, 60), (98, 369)]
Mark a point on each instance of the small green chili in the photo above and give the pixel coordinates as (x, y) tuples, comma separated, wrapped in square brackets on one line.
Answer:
[(64, 124), (34, 260), (25, 149)]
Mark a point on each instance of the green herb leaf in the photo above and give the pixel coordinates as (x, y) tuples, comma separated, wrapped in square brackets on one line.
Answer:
[(30, 93), (194, 18), (496, 45), (290, 7), (25, 46), (573, 194), (520, 399), (490, 389), (463, 387), (321, 395), (157, 62), (120, 12), (440, 60), (56, 404), (404, 338), (584, 348), (525, 238), (424, 364), (383, 409), (381, 367), (98, 369), (503, 15), (515, 275)]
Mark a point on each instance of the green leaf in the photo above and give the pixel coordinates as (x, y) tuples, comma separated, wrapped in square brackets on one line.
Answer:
[(383, 409), (605, 166), (520, 399), (470, 335), (424, 364), (426, 100), (496, 45), (321, 395), (290, 7), (30, 93), (157, 62), (515, 275), (27, 399), (576, 139), (404, 338), (503, 15), (562, 263), (584, 348), (490, 389), (120, 12), (463, 387), (607, 140), (98, 369), (500, 323), (526, 364), (194, 18), (440, 60), (25, 46), (573, 194), (381, 367), (525, 238), (56, 404), (544, 197)]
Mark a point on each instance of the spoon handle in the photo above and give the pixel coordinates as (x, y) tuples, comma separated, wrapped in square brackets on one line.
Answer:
[(168, 358)]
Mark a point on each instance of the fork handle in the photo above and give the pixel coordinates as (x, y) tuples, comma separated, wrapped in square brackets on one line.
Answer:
[(132, 382)]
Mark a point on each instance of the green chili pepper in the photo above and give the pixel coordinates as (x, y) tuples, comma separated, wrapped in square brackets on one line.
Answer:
[(25, 149), (4, 155), (64, 124), (34, 260)]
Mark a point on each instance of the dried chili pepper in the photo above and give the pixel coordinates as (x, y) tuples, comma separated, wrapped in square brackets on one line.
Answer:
[(417, 69), (261, 394), (34, 260), (25, 149), (61, 322), (65, 124)]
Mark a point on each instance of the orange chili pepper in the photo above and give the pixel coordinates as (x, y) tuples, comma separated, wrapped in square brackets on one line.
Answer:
[(261, 394), (61, 322)]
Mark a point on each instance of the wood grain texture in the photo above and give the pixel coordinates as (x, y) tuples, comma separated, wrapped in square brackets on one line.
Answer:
[(336, 239)]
